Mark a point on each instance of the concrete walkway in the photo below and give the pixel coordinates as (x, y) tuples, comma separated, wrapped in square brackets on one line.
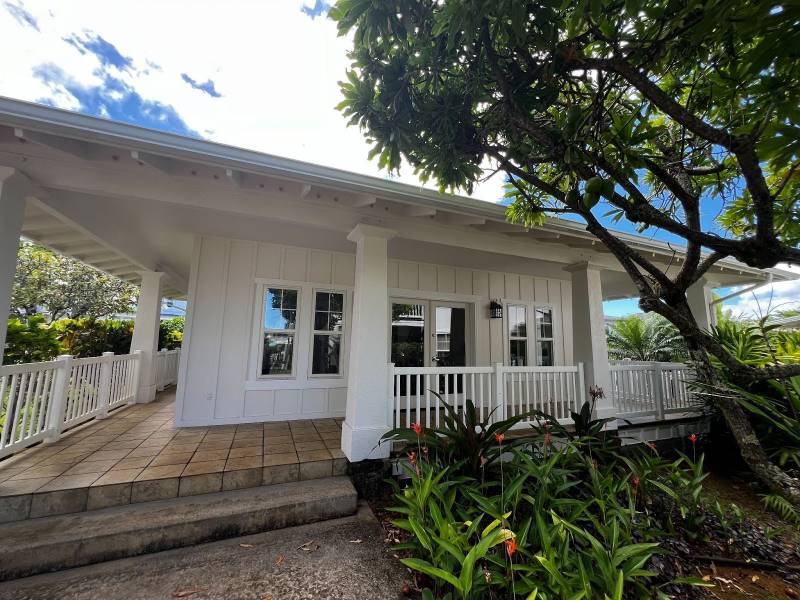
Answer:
[(323, 560)]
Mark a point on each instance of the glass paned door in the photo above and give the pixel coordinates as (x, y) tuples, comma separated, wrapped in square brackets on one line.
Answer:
[(449, 347), (449, 344), (408, 339)]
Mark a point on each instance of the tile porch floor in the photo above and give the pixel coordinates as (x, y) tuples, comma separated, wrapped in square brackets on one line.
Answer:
[(137, 455)]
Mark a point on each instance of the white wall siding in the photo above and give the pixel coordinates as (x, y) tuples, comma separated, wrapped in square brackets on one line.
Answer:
[(219, 382), (408, 278)]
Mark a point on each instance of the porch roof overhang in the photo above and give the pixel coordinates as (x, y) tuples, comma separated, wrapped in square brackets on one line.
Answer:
[(88, 172)]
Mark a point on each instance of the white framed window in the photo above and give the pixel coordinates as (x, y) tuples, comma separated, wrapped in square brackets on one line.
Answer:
[(544, 336), (327, 339), (277, 352), (517, 317)]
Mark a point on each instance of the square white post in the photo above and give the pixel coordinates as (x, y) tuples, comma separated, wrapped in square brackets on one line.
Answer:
[(56, 412), (699, 296), (366, 413), (105, 385), (13, 190), (589, 334), (145, 333)]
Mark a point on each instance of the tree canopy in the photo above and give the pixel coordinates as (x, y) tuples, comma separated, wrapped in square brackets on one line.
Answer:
[(659, 113), (63, 287), (675, 115)]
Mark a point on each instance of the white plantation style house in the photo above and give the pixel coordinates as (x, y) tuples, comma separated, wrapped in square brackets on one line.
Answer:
[(316, 293)]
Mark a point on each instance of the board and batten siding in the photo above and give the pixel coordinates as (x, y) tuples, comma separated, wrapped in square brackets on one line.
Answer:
[(220, 349), (442, 282)]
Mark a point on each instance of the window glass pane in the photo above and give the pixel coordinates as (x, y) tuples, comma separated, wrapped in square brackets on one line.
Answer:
[(323, 301), (321, 321), (337, 302), (289, 298), (517, 318), (280, 309), (519, 353), (546, 353), (325, 359), (408, 335), (544, 320), (277, 354), (336, 321)]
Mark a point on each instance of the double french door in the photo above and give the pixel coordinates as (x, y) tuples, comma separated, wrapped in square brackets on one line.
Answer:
[(430, 334)]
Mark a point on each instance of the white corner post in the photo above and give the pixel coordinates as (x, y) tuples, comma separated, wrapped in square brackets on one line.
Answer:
[(589, 335), (145, 333), (700, 296), (13, 189), (366, 414)]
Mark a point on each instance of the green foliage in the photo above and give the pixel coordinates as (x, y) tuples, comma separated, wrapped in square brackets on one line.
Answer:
[(782, 507), (632, 105), (30, 341), (170, 333), (773, 406), (464, 442), (648, 338), (92, 337), (33, 340), (549, 520), (63, 287)]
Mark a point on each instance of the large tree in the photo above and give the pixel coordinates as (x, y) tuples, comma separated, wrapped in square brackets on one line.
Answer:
[(658, 113), (63, 287)]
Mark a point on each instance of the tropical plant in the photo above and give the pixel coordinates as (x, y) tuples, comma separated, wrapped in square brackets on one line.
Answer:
[(464, 442), (648, 338), (548, 521)]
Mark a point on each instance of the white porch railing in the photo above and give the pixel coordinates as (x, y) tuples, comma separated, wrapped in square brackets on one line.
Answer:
[(640, 392), (167, 362), (39, 401), (499, 391), (650, 389)]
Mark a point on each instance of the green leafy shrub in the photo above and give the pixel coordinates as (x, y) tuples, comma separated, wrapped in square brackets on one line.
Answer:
[(30, 341), (562, 514)]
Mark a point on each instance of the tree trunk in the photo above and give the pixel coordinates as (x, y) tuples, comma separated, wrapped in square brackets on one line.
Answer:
[(750, 448)]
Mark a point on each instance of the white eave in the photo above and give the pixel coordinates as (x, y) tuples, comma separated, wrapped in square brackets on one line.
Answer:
[(78, 133)]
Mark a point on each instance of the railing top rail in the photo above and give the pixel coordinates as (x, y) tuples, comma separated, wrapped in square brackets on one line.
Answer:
[(121, 357), (554, 369), (441, 370), (16, 369), (91, 360)]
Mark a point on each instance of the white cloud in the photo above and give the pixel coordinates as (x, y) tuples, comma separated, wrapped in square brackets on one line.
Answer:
[(777, 296), (276, 68)]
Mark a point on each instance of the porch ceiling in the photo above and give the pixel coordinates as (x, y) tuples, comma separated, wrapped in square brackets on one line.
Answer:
[(123, 199)]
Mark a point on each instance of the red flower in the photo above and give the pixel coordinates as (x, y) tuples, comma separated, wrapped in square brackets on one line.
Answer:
[(484, 460), (693, 438), (511, 547), (499, 437), (417, 427), (547, 439), (635, 481), (412, 458)]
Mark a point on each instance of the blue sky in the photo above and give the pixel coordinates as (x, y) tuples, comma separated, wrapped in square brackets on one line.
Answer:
[(260, 75)]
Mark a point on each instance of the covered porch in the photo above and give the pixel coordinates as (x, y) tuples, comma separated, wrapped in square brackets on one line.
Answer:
[(137, 454)]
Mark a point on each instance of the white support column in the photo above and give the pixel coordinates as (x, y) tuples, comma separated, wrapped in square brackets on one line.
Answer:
[(145, 333), (13, 189), (365, 417), (699, 296), (589, 333)]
